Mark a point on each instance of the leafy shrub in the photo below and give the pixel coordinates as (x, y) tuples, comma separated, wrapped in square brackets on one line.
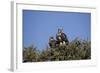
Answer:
[(59, 50), (75, 50)]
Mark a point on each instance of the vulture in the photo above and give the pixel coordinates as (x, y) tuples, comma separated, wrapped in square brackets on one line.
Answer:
[(52, 42), (61, 38)]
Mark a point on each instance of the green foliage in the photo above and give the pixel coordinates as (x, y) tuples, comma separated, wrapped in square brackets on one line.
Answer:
[(75, 50), (30, 54), (59, 49)]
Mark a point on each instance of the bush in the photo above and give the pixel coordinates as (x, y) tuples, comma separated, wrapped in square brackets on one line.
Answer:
[(75, 50), (59, 49)]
